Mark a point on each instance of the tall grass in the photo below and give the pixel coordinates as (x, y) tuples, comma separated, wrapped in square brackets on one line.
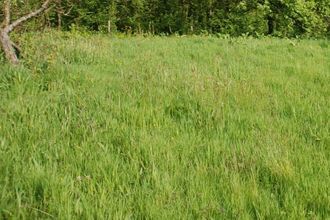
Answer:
[(165, 128)]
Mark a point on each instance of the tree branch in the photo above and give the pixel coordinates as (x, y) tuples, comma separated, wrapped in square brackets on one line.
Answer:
[(35, 13), (6, 11)]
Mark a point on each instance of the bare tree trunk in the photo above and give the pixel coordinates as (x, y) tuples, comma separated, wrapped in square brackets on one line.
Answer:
[(59, 21), (6, 27), (59, 12), (8, 47), (109, 27)]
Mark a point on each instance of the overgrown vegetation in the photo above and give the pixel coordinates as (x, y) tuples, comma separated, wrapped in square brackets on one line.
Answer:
[(165, 128), (282, 18)]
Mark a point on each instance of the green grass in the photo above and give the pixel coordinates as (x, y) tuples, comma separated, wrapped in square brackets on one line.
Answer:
[(166, 128)]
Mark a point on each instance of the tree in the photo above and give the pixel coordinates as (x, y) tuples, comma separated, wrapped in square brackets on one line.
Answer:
[(7, 26), (63, 8)]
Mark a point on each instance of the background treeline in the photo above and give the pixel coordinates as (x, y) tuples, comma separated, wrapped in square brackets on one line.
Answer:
[(283, 18)]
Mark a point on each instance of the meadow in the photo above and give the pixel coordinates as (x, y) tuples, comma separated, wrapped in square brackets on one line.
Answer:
[(195, 127)]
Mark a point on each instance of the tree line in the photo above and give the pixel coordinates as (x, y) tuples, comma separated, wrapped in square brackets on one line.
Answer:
[(282, 18)]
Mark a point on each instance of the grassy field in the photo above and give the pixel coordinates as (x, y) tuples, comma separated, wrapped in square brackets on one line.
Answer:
[(165, 128)]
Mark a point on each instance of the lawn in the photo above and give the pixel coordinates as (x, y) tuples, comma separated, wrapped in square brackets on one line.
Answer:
[(99, 127)]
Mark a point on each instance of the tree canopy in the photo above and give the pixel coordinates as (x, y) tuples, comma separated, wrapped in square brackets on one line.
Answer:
[(283, 18)]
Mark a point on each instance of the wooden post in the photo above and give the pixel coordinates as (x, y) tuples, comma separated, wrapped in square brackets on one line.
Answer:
[(109, 26)]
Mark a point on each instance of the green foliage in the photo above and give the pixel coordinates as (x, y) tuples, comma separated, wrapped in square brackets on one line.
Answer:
[(165, 128), (290, 18), (283, 18)]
